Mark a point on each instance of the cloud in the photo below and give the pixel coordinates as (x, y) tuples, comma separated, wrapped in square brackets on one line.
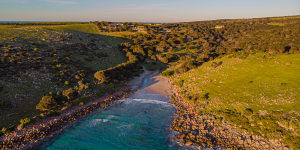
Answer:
[(64, 2)]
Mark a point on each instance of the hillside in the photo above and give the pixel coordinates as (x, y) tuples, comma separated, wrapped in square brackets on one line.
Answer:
[(51, 60), (259, 94), (244, 72)]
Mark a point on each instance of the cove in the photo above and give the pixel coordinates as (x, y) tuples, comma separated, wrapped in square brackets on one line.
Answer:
[(141, 121)]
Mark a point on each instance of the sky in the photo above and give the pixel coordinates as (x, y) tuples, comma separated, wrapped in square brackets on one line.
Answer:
[(143, 10)]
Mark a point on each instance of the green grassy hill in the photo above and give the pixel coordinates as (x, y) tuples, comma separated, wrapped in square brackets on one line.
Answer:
[(259, 94)]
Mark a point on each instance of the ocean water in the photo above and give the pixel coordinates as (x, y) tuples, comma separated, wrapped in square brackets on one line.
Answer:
[(140, 122)]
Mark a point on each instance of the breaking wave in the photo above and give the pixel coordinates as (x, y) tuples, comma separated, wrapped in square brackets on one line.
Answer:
[(144, 101)]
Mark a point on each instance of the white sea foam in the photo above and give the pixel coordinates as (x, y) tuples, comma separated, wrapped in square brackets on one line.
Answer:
[(126, 126), (96, 122), (145, 101)]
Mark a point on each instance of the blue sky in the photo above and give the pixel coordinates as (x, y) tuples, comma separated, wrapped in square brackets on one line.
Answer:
[(143, 10)]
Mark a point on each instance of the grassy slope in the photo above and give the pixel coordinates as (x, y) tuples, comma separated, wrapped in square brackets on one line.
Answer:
[(119, 34), (110, 47), (267, 85), (85, 28), (115, 56)]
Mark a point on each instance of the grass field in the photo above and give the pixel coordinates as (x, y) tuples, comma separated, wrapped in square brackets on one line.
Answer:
[(285, 18), (84, 28), (119, 34), (277, 24), (259, 94), (38, 60)]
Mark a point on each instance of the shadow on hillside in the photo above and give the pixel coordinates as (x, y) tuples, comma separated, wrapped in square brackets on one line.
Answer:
[(20, 100)]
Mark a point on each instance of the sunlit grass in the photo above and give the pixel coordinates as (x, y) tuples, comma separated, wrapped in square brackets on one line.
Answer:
[(262, 84), (285, 18), (277, 24), (85, 28), (120, 34)]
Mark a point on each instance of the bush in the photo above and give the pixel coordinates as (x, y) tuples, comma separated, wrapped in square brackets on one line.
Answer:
[(82, 86), (215, 64), (3, 130), (20, 127), (100, 76), (2, 103), (131, 57), (70, 93), (180, 83), (25, 121), (46, 103), (121, 72), (66, 83), (186, 66), (167, 73), (162, 59)]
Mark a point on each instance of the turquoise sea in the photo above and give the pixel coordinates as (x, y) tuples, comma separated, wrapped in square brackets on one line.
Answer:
[(140, 122)]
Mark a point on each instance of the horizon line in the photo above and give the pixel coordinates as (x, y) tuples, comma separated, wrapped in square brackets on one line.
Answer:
[(28, 21)]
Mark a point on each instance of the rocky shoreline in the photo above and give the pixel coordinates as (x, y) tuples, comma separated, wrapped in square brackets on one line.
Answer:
[(205, 131), (33, 136)]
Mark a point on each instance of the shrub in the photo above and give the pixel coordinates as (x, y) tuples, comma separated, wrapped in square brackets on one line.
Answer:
[(70, 94), (46, 103), (66, 83), (180, 83), (3, 130), (131, 57), (205, 96), (215, 64), (100, 76), (2, 103), (167, 73), (186, 66), (77, 77), (58, 66), (162, 59), (150, 53), (25, 121), (20, 127), (81, 86)]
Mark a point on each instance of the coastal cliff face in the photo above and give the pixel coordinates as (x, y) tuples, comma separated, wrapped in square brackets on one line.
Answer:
[(201, 130)]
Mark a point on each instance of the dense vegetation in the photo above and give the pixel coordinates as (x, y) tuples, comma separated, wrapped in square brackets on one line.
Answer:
[(121, 26), (198, 42)]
